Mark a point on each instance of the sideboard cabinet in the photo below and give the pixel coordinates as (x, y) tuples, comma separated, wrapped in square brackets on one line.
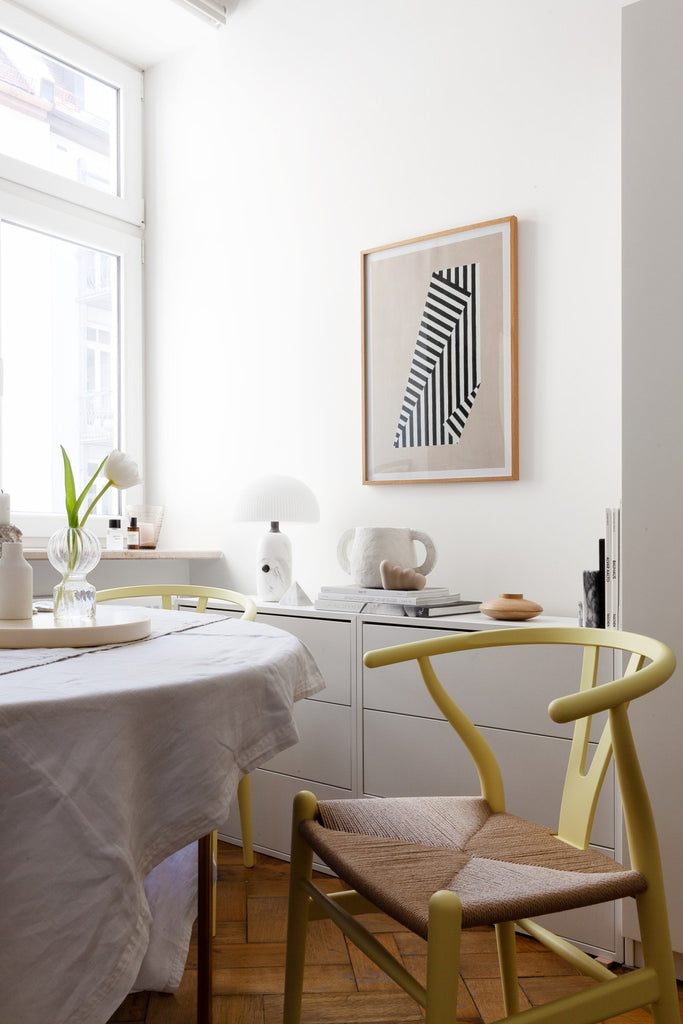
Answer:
[(377, 733), (324, 758)]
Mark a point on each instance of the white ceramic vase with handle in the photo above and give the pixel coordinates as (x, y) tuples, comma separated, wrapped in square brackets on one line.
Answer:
[(361, 549)]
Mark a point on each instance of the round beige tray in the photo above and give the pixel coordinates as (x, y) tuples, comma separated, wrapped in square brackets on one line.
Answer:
[(113, 625)]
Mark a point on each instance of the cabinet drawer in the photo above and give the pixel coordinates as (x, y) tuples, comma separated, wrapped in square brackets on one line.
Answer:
[(409, 756), (272, 796), (506, 688), (323, 752), (329, 641), (594, 928)]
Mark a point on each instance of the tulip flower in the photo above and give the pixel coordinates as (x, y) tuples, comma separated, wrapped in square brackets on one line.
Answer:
[(119, 469)]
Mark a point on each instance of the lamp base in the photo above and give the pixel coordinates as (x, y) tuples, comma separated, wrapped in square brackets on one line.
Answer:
[(274, 566)]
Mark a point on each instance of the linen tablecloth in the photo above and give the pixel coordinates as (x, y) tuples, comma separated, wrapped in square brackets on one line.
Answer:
[(114, 759)]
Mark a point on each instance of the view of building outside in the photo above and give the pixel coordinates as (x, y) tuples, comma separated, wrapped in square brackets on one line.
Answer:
[(56, 117), (60, 346), (59, 329)]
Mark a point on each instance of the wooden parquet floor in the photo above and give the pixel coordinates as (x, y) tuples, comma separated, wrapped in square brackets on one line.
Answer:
[(341, 985)]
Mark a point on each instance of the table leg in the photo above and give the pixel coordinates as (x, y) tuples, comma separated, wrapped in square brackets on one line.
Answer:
[(205, 930)]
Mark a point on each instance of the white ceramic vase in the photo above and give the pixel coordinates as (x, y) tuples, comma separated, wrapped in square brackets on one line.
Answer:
[(16, 582), (360, 552)]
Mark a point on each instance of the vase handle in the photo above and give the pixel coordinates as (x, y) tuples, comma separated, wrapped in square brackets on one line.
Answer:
[(343, 549), (430, 551)]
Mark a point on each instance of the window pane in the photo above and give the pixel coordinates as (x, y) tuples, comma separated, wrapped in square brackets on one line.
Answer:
[(60, 349), (56, 117)]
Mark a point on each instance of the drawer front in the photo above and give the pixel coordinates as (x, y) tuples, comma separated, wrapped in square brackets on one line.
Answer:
[(594, 928), (506, 688), (408, 756), (272, 796), (323, 752), (329, 641)]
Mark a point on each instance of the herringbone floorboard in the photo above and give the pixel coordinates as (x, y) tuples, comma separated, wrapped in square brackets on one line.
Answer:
[(341, 985)]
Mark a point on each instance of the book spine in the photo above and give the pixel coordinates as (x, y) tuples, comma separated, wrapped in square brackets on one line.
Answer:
[(325, 604), (378, 593), (613, 568), (602, 615), (609, 596), (420, 600), (428, 611), (616, 568)]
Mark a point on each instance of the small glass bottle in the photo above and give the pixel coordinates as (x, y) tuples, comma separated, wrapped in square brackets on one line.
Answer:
[(114, 536), (133, 535)]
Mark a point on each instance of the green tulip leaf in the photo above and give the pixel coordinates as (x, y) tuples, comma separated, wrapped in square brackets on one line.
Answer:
[(69, 490)]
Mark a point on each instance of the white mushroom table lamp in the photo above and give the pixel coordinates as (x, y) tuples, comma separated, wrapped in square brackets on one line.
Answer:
[(276, 499)]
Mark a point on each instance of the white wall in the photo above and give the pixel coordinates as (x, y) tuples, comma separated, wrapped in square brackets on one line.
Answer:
[(652, 375), (306, 131)]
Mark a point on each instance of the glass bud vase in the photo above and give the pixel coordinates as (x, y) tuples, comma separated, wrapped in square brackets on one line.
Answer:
[(73, 551)]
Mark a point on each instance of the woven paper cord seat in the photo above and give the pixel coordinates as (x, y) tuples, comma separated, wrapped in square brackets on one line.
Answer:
[(439, 864), (399, 852)]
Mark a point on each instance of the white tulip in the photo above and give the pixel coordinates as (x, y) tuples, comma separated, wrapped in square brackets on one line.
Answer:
[(121, 470), (118, 468)]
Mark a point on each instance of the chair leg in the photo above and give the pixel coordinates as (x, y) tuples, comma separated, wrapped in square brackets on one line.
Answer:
[(443, 957), (657, 951), (244, 803), (204, 930), (507, 960), (301, 866)]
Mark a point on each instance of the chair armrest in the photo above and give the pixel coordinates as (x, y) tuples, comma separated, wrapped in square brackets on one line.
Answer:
[(619, 691), (575, 705)]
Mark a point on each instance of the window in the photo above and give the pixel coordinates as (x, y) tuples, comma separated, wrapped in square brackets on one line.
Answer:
[(57, 117), (70, 266), (65, 347)]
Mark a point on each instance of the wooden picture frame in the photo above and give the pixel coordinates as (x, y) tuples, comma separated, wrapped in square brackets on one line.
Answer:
[(439, 326)]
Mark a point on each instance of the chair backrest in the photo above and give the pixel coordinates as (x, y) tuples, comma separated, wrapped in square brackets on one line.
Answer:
[(167, 591), (650, 664)]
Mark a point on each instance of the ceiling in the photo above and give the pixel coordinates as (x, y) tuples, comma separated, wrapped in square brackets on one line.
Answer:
[(141, 32)]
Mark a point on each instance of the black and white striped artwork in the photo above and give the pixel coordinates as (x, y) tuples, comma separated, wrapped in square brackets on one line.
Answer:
[(445, 373)]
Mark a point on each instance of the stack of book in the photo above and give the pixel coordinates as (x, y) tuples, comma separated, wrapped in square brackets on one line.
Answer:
[(601, 599), (414, 603)]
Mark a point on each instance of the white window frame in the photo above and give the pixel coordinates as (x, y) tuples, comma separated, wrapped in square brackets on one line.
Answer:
[(129, 204), (33, 198)]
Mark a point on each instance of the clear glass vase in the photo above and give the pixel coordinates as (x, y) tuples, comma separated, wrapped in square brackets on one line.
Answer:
[(73, 551)]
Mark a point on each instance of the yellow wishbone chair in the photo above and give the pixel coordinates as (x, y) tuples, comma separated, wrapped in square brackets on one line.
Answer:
[(208, 845), (440, 864), (167, 592)]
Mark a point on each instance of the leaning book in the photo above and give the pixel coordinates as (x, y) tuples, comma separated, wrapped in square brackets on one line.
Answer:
[(613, 568)]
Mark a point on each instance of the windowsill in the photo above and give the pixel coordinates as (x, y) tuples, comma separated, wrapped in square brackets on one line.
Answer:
[(40, 554)]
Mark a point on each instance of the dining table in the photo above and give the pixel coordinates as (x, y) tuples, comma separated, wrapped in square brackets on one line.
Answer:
[(118, 758)]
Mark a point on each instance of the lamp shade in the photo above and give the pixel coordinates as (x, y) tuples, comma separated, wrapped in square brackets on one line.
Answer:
[(277, 499)]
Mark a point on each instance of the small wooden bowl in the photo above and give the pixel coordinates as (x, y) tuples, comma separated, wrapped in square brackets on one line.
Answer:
[(513, 607)]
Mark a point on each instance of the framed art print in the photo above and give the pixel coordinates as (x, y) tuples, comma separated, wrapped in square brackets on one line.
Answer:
[(440, 357)]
